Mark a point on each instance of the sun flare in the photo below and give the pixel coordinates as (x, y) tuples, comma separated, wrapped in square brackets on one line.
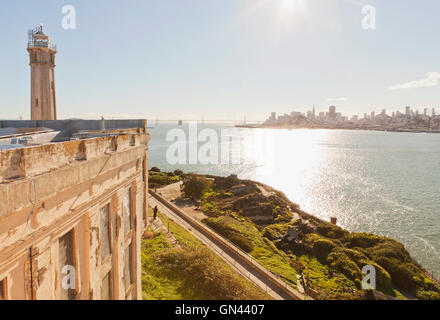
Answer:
[(284, 14), (289, 10), (288, 5), (292, 5)]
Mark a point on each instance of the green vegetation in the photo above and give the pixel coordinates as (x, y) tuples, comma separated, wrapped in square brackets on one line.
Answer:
[(244, 234), (194, 186), (191, 272), (324, 281), (331, 258), (275, 231), (157, 179), (395, 261), (185, 238)]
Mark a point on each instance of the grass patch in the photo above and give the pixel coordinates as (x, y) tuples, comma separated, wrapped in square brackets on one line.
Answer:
[(243, 233), (322, 279), (183, 236), (158, 179), (191, 273)]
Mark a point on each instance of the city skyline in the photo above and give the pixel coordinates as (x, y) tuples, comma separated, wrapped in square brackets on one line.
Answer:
[(240, 58), (420, 110), (411, 120)]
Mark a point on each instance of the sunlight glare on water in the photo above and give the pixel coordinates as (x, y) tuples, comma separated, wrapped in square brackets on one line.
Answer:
[(380, 182)]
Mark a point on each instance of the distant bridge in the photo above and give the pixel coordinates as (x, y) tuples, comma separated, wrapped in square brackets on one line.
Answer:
[(205, 120)]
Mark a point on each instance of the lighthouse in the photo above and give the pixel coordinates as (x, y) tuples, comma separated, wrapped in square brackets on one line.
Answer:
[(42, 61)]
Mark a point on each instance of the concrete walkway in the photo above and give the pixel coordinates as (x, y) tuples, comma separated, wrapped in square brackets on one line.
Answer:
[(238, 266), (158, 226)]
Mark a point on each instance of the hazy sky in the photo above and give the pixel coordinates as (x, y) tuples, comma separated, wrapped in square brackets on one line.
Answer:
[(225, 59)]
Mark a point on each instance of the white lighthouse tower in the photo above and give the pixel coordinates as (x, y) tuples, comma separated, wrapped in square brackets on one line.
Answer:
[(42, 61)]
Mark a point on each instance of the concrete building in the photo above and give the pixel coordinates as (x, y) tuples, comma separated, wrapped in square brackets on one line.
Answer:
[(73, 208), (332, 112), (273, 116), (296, 114), (42, 61)]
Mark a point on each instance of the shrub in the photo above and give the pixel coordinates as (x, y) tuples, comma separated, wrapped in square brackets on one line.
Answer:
[(427, 295), (341, 262), (281, 211), (358, 257), (158, 179), (224, 195), (405, 275), (391, 249), (302, 227), (430, 285), (178, 172), (275, 231), (241, 242), (155, 169), (331, 231), (383, 278), (203, 276), (322, 247), (282, 219), (298, 265), (195, 186), (230, 233), (362, 240), (211, 209), (173, 179)]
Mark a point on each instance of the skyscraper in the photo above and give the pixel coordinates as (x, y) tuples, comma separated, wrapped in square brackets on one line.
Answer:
[(332, 112)]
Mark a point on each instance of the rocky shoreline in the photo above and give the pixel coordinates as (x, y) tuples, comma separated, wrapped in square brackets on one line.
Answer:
[(297, 245)]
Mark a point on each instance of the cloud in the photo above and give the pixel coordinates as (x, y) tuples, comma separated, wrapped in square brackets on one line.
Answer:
[(337, 99), (432, 79)]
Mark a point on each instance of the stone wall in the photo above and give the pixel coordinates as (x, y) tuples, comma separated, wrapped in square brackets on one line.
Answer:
[(49, 190)]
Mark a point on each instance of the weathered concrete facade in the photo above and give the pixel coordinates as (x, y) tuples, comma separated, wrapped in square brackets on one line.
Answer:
[(74, 207)]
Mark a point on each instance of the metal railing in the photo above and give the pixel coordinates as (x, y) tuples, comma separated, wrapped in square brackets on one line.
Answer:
[(42, 44)]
